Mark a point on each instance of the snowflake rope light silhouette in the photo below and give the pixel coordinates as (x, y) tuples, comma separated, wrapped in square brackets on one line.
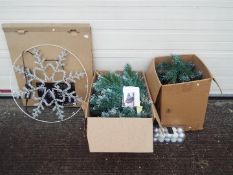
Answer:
[(60, 91)]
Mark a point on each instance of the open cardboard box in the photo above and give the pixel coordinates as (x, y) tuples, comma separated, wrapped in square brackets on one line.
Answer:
[(120, 134), (76, 38), (182, 104)]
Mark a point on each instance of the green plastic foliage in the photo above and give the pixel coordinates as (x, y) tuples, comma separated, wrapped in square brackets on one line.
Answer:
[(106, 100), (177, 71)]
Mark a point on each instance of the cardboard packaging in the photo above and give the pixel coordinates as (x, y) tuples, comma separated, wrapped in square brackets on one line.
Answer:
[(120, 134), (76, 38), (182, 104)]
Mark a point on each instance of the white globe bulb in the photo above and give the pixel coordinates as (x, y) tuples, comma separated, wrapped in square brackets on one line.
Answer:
[(156, 130), (181, 135), (161, 138), (174, 129), (180, 130), (167, 135), (175, 135), (173, 139), (156, 135)]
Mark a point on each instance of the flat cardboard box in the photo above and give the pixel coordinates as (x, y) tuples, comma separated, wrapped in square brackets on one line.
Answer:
[(182, 104), (131, 135), (76, 38)]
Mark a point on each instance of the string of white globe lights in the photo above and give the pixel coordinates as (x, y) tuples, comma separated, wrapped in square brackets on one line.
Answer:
[(57, 67), (169, 134)]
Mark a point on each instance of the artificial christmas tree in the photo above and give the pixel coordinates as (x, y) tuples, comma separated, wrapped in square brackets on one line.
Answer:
[(106, 100), (177, 71)]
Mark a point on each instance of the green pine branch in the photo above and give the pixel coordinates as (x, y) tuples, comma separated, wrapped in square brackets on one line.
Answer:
[(106, 100), (177, 71)]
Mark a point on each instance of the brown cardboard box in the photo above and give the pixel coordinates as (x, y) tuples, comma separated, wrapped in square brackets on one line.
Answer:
[(182, 104), (120, 134), (76, 38)]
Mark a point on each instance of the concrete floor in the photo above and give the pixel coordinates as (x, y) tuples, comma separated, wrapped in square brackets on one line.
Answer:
[(28, 147)]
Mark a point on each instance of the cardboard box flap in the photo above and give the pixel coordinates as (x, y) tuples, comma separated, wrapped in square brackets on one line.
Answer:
[(153, 81), (45, 27), (76, 38), (199, 65), (154, 111)]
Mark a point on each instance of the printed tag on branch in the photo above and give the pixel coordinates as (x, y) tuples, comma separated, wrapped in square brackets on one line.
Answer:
[(139, 109), (131, 96)]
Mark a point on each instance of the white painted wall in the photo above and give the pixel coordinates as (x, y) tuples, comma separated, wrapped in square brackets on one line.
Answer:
[(135, 31)]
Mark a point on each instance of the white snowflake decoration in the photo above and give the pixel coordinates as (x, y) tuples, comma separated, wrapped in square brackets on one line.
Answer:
[(41, 67)]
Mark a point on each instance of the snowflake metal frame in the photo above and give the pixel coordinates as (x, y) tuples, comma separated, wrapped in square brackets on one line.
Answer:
[(42, 67)]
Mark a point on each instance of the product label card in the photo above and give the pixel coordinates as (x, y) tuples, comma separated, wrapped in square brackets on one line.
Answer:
[(131, 96)]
